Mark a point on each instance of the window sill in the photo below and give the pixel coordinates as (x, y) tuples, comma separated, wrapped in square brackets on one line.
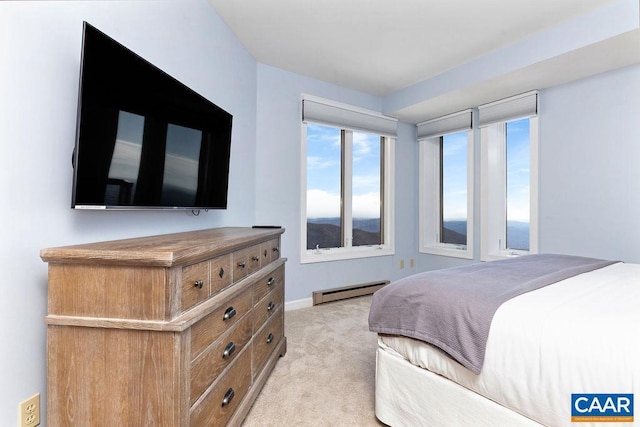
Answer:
[(338, 254), (454, 251), (495, 256)]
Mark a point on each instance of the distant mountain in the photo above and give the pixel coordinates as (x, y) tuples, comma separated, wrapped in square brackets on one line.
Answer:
[(517, 233), (372, 225), (323, 235), (367, 224), (325, 232), (455, 232), (332, 221), (456, 226)]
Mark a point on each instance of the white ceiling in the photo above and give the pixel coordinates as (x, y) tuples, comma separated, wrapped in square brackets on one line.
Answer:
[(382, 46)]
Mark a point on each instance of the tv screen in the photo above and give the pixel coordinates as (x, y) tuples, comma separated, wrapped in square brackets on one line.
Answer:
[(143, 139)]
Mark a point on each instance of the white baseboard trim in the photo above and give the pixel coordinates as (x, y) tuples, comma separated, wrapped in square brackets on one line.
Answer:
[(298, 304)]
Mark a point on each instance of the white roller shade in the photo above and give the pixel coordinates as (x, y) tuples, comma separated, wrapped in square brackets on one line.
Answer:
[(456, 122), (516, 107), (345, 116)]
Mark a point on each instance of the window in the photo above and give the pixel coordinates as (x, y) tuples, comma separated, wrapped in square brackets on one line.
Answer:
[(509, 177), (357, 221), (518, 155), (446, 186), (453, 189), (347, 210)]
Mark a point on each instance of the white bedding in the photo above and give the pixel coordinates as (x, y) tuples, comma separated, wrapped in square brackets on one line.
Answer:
[(581, 335)]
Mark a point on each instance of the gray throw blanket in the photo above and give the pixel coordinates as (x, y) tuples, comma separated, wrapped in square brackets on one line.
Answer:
[(453, 308)]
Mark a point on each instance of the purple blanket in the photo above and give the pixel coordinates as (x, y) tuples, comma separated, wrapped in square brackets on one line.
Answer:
[(453, 308)]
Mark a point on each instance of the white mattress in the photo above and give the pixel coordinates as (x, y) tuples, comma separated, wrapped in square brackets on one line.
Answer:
[(581, 335)]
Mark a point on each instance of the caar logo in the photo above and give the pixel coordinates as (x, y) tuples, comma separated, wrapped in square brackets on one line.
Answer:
[(601, 408)]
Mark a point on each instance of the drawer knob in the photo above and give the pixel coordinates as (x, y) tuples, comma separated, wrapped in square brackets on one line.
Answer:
[(198, 284), (229, 313), (221, 272), (276, 249), (228, 397), (228, 350), (269, 338), (266, 253), (271, 306), (255, 258), (242, 264), (271, 281)]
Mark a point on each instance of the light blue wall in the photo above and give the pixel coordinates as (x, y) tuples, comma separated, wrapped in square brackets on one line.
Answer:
[(279, 179), (39, 63), (590, 167)]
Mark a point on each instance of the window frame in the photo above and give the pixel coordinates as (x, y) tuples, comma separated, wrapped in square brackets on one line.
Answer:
[(493, 197), (430, 218), (387, 200)]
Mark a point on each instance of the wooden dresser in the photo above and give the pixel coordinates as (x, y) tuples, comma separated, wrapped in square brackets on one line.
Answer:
[(173, 330)]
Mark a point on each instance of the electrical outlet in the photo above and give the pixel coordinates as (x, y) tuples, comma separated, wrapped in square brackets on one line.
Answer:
[(411, 263), (29, 412), (401, 263)]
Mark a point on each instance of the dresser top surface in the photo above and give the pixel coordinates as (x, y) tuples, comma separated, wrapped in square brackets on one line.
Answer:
[(162, 250)]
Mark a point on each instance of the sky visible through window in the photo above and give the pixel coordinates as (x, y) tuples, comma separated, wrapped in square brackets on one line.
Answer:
[(518, 170), (323, 173), (518, 184), (454, 177)]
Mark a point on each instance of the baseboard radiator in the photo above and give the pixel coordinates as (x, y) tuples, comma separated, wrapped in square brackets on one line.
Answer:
[(335, 294)]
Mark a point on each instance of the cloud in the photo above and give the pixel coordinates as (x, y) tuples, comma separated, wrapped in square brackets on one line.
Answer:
[(518, 204), (366, 205), (322, 204), (363, 143), (318, 134), (369, 183), (315, 162)]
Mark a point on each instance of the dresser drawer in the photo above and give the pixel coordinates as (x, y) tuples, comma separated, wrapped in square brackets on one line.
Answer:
[(222, 400), (269, 251), (267, 283), (253, 257), (240, 264), (209, 328), (266, 340), (218, 356), (268, 306), (195, 284), (245, 262), (221, 273)]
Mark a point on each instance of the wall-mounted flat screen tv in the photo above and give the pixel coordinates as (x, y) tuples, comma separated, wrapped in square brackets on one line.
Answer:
[(143, 139)]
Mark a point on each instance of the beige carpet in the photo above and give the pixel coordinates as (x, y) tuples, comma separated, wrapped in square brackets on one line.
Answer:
[(327, 376)]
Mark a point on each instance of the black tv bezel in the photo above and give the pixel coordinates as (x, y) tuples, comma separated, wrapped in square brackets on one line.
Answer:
[(226, 151)]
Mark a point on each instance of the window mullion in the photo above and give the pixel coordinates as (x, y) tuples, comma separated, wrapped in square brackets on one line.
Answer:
[(502, 149), (500, 215), (493, 191), (533, 185), (347, 188), (440, 235), (383, 185)]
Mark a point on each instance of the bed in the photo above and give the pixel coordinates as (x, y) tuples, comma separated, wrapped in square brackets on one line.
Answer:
[(577, 335)]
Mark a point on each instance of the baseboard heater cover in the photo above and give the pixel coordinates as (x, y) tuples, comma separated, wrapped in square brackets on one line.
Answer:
[(335, 294)]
